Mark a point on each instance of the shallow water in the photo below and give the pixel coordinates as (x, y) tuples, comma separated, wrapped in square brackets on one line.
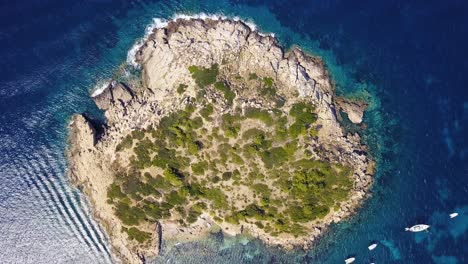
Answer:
[(409, 56)]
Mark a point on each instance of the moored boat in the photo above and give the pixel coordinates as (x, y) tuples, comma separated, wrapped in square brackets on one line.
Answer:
[(349, 260), (417, 228), (453, 215), (372, 246)]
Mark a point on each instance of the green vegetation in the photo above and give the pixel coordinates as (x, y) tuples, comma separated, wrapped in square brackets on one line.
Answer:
[(229, 95), (203, 158), (268, 82), (268, 90), (127, 142), (259, 114), (136, 234), (204, 76), (129, 215), (231, 125), (114, 192), (181, 88), (304, 116), (206, 112)]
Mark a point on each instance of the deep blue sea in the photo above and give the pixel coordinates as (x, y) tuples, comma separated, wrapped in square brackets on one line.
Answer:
[(408, 58)]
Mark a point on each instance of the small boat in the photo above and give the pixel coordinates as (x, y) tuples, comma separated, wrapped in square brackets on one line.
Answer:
[(349, 260), (453, 215), (417, 228), (372, 246)]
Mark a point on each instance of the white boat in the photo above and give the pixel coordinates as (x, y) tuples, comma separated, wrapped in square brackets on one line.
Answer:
[(453, 215), (349, 260), (417, 228), (372, 246)]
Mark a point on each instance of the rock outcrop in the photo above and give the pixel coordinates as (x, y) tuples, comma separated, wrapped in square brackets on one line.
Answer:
[(354, 109), (89, 170), (115, 93), (164, 59)]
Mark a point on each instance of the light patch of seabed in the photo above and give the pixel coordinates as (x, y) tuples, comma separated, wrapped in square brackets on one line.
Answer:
[(445, 259), (442, 228), (395, 252), (219, 248)]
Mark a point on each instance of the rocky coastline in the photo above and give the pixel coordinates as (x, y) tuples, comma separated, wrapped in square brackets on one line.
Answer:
[(164, 59)]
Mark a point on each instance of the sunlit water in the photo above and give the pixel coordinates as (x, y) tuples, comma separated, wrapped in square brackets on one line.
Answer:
[(409, 59)]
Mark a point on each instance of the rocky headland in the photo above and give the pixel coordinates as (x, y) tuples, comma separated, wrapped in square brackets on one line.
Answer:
[(228, 81)]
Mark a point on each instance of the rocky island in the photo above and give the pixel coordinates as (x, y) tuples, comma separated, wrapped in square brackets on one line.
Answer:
[(223, 131)]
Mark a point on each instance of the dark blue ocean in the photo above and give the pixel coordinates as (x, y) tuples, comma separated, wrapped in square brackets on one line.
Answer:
[(409, 59)]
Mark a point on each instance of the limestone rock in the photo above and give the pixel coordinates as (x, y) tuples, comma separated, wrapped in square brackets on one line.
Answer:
[(114, 93), (354, 109), (83, 132)]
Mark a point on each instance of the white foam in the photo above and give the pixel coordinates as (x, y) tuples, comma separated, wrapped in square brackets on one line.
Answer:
[(100, 87), (161, 23), (131, 55), (217, 17)]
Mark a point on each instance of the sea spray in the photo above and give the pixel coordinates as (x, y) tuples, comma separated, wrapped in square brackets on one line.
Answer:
[(131, 55), (100, 87), (162, 22)]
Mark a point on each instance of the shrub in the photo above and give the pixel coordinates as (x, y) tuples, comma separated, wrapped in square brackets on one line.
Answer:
[(262, 189), (174, 198), (173, 176), (206, 112), (159, 183), (237, 159), (135, 234), (193, 215), (259, 114), (132, 185), (291, 148), (138, 134), (231, 125), (127, 142), (303, 113), (229, 95), (166, 157), (253, 211), (268, 82), (274, 157), (129, 215), (153, 210), (114, 192), (194, 147), (199, 168), (227, 176), (297, 129), (181, 88), (215, 179), (204, 76), (259, 225), (217, 197)]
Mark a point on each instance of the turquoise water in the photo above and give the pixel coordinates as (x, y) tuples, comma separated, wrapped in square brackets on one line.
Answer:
[(406, 58)]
